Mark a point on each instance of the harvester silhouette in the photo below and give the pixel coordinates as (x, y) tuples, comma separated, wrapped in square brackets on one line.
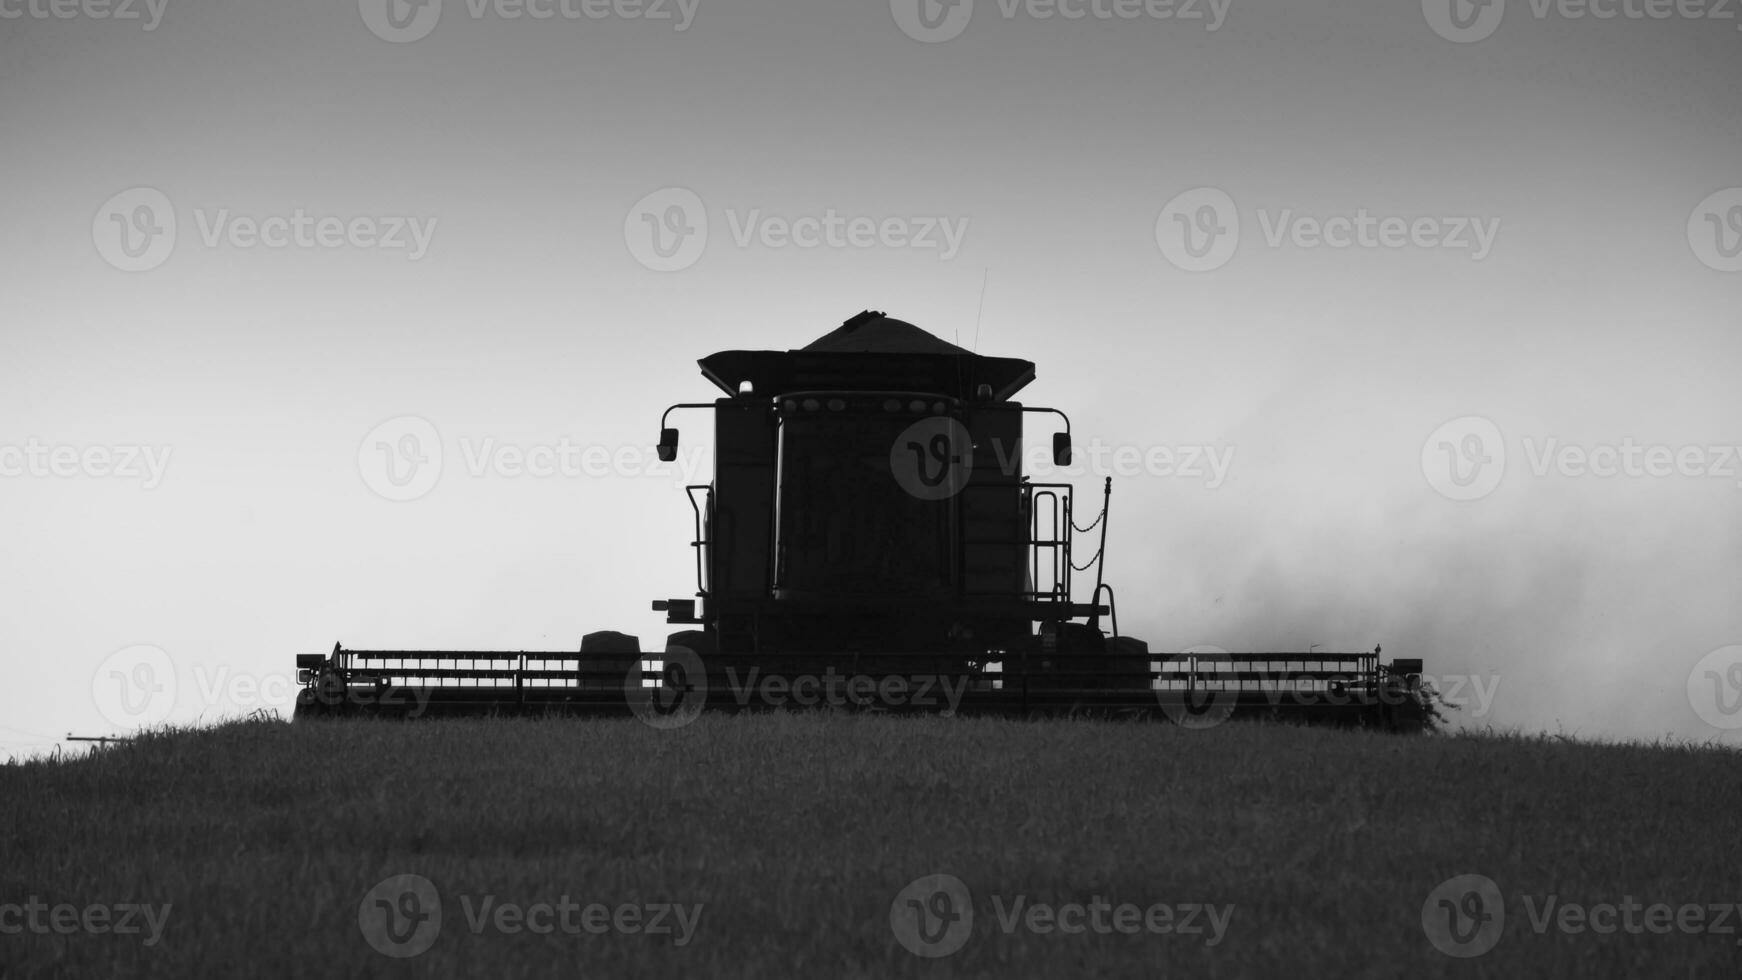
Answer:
[(869, 539)]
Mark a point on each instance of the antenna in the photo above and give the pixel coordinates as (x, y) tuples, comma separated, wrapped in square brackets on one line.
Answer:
[(984, 275)]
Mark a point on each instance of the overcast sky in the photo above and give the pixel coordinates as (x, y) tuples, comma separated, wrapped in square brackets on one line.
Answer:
[(1348, 249)]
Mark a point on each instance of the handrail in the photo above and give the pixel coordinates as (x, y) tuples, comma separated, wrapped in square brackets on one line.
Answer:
[(1112, 606), (1057, 582), (701, 540), (1063, 496)]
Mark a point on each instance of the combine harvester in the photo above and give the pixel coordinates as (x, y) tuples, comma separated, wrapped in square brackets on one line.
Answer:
[(869, 539)]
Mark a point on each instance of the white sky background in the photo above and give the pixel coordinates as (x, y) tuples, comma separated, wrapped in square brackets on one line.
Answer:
[(1587, 600)]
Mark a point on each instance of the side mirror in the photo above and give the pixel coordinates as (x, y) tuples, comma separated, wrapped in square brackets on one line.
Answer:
[(667, 445), (1061, 449)]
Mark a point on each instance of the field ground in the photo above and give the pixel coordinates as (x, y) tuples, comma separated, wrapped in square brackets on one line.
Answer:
[(797, 834)]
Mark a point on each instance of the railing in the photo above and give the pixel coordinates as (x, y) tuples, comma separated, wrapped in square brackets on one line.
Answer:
[(1053, 537), (1052, 528), (703, 527)]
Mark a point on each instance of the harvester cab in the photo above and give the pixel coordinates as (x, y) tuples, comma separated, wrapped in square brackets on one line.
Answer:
[(869, 505)]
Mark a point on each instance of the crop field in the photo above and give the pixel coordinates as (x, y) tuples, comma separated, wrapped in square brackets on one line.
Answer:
[(824, 845)]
